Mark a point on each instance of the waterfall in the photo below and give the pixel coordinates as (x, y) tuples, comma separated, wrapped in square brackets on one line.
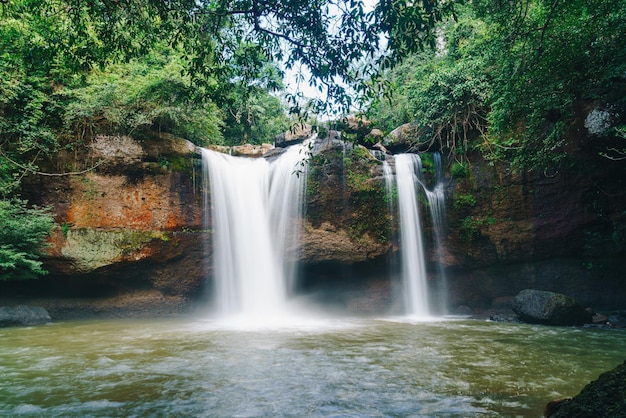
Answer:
[(408, 177), (256, 213), (437, 208), (408, 167)]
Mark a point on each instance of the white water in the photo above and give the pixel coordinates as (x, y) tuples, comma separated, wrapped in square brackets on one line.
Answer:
[(437, 208), (410, 179), (413, 259), (388, 178), (256, 214)]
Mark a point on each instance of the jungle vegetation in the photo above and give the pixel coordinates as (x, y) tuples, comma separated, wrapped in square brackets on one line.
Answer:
[(507, 78), (502, 77)]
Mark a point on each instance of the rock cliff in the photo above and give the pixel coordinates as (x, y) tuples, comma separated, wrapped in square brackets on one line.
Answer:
[(130, 229), (563, 231), (132, 235)]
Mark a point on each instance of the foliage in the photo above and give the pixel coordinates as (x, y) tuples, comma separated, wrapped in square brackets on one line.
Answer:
[(66, 76), (22, 235), (616, 151), (444, 93), (327, 37), (464, 201), (458, 170), (470, 227), (147, 93), (253, 117), (533, 104), (494, 61), (29, 106), (507, 77)]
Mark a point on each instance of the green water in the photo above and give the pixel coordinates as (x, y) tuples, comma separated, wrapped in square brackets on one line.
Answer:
[(331, 368)]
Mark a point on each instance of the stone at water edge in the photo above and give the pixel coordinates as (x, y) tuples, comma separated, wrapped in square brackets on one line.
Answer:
[(22, 315), (600, 319), (602, 398), (549, 308)]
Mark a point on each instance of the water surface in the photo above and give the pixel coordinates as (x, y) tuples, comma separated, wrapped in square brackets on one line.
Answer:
[(331, 368)]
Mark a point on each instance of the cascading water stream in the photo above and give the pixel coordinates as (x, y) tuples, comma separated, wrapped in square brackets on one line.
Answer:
[(412, 246), (437, 208), (256, 213), (408, 177)]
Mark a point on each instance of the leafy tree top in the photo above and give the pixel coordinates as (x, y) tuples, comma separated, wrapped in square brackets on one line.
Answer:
[(327, 36)]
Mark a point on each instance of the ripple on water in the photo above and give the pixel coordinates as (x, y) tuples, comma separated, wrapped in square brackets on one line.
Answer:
[(326, 367)]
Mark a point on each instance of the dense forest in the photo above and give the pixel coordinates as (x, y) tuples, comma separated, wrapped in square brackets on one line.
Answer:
[(503, 78)]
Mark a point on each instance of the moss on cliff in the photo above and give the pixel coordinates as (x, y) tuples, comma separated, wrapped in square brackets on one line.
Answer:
[(346, 195), (88, 249), (368, 197)]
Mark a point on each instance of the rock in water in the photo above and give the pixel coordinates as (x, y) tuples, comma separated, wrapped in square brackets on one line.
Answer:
[(602, 398), (22, 315), (550, 308)]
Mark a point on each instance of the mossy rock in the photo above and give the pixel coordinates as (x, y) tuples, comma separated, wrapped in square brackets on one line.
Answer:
[(89, 249)]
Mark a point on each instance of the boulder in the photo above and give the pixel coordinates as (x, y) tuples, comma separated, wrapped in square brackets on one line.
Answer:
[(296, 134), (245, 150), (549, 308), (219, 148), (603, 397), (249, 150), (376, 134), (401, 139), (22, 315), (353, 124)]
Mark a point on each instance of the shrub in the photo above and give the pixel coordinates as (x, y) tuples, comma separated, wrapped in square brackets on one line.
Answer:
[(23, 231), (458, 170)]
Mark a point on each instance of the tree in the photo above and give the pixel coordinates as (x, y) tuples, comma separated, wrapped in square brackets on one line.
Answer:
[(327, 36), (148, 93), (442, 91)]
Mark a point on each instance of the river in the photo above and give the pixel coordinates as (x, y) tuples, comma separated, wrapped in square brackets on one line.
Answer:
[(190, 367)]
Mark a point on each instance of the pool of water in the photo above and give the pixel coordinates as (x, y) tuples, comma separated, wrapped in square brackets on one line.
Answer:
[(188, 367)]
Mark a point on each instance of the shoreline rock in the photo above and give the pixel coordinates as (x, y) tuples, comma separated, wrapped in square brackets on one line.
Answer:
[(23, 316), (549, 308)]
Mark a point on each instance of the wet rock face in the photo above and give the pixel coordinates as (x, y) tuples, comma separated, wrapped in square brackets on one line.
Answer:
[(550, 308), (603, 397), (136, 221), (143, 185), (348, 236), (499, 215)]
